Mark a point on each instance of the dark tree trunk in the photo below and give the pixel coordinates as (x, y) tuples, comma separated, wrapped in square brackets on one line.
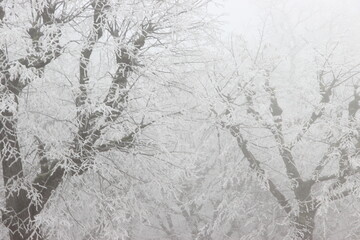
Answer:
[(19, 212), (305, 222)]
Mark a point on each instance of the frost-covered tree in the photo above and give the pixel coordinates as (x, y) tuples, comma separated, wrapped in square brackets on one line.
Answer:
[(293, 115), (82, 82)]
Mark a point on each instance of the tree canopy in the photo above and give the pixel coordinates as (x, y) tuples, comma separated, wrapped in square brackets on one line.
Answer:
[(144, 119)]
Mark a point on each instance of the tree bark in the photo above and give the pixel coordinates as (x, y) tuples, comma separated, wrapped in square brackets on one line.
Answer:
[(304, 222), (305, 225), (19, 215)]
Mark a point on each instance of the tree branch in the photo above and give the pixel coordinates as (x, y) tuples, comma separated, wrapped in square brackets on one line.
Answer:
[(255, 166), (286, 155), (325, 92), (125, 142), (126, 61), (340, 195), (92, 39)]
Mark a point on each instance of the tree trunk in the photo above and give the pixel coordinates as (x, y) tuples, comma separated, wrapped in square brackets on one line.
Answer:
[(305, 225), (18, 214)]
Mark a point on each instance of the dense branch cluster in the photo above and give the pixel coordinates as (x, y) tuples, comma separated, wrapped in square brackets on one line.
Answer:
[(133, 119)]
